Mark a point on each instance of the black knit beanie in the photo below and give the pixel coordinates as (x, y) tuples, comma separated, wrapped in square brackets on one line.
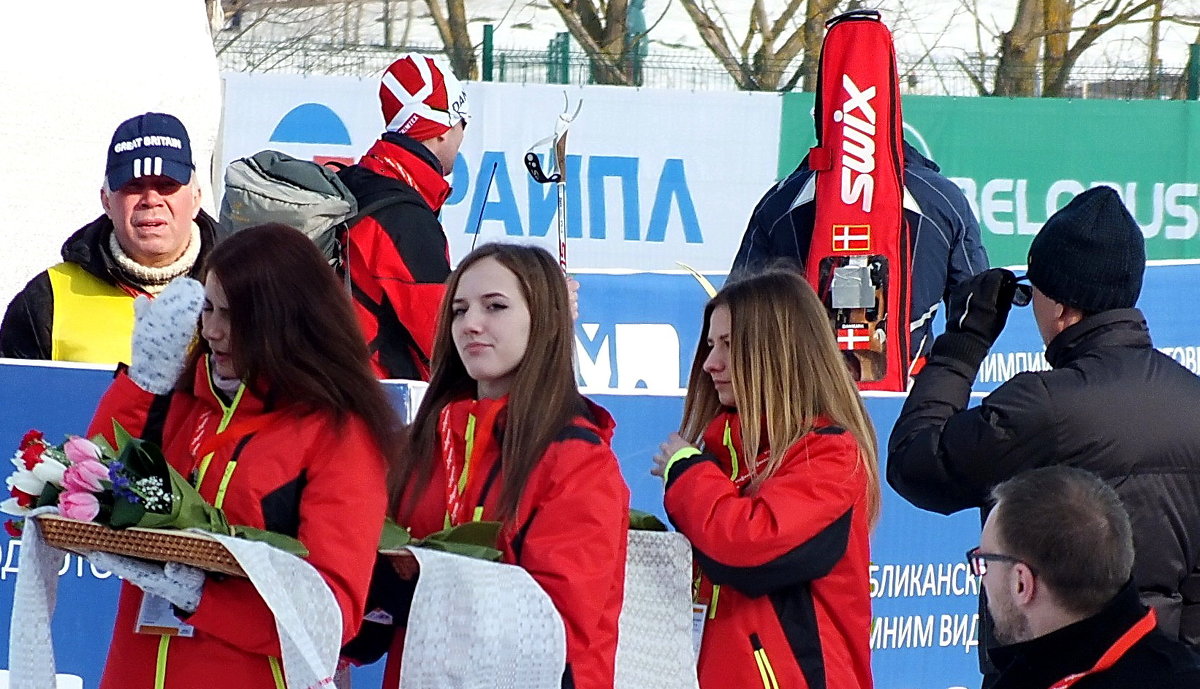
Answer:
[(1090, 254)]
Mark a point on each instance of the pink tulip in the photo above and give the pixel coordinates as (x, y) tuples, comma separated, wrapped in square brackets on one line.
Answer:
[(82, 506), (80, 449), (85, 476)]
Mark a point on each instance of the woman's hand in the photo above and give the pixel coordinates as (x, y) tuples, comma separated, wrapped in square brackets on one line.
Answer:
[(163, 330), (675, 443), (573, 297)]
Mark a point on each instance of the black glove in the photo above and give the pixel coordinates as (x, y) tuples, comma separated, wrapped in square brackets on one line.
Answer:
[(978, 311)]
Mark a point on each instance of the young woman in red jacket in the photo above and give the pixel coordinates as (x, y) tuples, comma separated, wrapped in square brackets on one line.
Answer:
[(778, 509), (503, 434), (276, 417)]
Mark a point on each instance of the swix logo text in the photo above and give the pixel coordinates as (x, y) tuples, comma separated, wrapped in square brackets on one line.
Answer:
[(858, 144)]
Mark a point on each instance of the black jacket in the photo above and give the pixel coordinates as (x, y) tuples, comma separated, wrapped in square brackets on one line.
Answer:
[(25, 331), (1112, 405), (947, 247), (1156, 661)]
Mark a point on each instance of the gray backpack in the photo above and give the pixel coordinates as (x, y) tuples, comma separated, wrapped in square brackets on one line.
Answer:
[(270, 186)]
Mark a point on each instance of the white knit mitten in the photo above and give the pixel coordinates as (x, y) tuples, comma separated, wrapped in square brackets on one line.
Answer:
[(163, 329), (179, 584)]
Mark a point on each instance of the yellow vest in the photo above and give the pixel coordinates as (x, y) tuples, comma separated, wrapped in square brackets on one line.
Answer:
[(93, 320)]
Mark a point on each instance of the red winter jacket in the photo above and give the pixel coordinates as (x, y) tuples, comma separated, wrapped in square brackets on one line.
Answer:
[(784, 570), (398, 255), (569, 532), (306, 476)]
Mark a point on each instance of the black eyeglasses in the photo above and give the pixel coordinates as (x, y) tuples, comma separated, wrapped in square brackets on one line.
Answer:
[(977, 560), (1024, 293)]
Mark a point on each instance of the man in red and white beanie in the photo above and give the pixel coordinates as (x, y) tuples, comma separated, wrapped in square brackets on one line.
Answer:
[(398, 254)]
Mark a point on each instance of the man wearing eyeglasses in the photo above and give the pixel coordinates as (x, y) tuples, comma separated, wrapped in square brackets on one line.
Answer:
[(1055, 557), (1111, 404)]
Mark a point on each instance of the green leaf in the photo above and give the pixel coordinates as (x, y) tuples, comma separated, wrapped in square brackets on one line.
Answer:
[(125, 514), (121, 435), (49, 495), (479, 552), (472, 539), (470, 533), (393, 536), (276, 540), (107, 450), (644, 521)]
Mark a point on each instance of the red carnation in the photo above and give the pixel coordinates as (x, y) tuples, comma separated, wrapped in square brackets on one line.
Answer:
[(31, 437), (24, 499), (32, 456), (13, 529)]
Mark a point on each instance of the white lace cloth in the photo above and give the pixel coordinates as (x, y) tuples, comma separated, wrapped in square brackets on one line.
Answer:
[(654, 649), (306, 614), (480, 625), (30, 651)]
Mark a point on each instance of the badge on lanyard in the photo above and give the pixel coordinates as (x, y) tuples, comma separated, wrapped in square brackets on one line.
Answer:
[(699, 615), (156, 616)]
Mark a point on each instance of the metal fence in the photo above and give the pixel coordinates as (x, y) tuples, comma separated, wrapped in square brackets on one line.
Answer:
[(939, 76)]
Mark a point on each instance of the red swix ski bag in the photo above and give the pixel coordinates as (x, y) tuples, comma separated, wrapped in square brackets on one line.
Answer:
[(860, 254)]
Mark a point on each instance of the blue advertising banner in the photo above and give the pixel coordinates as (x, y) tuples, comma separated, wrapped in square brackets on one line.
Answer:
[(635, 337)]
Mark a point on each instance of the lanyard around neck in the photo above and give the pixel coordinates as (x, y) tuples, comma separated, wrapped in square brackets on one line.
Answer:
[(1133, 635)]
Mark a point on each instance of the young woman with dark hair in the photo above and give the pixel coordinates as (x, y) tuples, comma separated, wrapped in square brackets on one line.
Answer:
[(503, 434), (778, 509), (276, 417)]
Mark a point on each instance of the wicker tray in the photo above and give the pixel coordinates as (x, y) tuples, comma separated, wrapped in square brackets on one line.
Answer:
[(160, 545)]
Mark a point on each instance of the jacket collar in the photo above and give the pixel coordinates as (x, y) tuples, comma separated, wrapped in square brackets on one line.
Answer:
[(204, 390), (88, 246), (1075, 648), (403, 158), (1113, 328)]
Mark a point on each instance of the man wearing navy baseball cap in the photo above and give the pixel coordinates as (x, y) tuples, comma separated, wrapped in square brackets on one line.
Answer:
[(152, 231)]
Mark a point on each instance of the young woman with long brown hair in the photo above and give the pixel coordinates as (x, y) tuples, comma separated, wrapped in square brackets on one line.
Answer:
[(276, 417), (778, 508), (503, 434)]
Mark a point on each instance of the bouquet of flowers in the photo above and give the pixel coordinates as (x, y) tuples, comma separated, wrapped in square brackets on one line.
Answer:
[(90, 481)]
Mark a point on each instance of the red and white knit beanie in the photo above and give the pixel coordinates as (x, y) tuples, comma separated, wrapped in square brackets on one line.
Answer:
[(421, 97)]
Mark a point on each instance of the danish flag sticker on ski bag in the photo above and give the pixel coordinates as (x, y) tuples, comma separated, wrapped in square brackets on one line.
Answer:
[(860, 254)]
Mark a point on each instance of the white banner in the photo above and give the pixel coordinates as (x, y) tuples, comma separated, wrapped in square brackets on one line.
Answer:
[(655, 176)]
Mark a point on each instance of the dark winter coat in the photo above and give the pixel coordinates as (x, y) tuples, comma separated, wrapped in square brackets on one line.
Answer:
[(1155, 661), (1112, 405), (947, 247), (398, 255), (783, 570), (26, 330)]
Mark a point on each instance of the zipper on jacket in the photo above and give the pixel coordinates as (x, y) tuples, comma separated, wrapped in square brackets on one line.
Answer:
[(733, 455), (765, 671)]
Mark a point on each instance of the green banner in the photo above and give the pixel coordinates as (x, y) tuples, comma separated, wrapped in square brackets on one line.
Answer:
[(1019, 160)]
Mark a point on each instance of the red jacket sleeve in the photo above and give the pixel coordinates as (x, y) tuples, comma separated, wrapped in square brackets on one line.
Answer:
[(794, 528), (132, 407), (341, 516), (573, 544)]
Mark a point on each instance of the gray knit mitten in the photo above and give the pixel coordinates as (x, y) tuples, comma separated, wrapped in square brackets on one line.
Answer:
[(180, 584), (163, 329)]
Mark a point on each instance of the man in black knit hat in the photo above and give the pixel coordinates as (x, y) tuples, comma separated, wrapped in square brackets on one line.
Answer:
[(1111, 404)]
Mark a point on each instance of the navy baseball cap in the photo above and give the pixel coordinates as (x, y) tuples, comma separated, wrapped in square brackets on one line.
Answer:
[(150, 144)]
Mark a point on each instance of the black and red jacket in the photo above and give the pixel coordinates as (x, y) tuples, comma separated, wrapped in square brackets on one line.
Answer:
[(398, 255), (569, 532), (784, 569), (308, 475)]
